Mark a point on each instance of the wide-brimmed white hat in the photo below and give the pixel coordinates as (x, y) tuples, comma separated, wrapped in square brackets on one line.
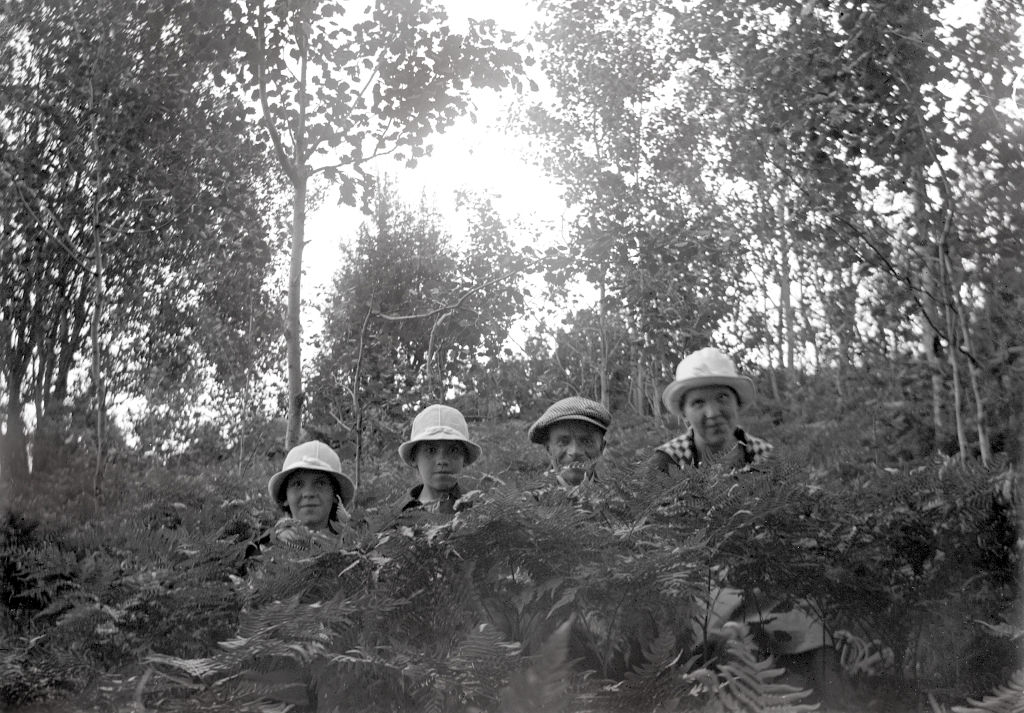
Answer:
[(706, 367), (312, 455), (439, 423)]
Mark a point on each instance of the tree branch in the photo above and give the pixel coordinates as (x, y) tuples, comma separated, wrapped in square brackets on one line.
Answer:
[(67, 247), (458, 303)]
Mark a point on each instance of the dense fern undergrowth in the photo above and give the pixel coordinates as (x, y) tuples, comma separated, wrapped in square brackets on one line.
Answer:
[(532, 599)]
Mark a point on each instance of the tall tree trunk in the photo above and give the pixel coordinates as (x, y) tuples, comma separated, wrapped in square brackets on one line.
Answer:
[(97, 351), (13, 446), (300, 178), (954, 365), (786, 329), (931, 338), (973, 372), (603, 325), (293, 334)]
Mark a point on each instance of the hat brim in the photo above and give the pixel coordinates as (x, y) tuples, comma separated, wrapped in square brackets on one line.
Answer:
[(538, 433), (673, 393), (473, 451), (345, 486)]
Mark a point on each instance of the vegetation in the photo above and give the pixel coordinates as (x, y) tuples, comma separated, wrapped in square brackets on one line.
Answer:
[(828, 190), (528, 585)]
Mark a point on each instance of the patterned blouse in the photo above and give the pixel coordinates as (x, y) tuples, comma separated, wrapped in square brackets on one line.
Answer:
[(683, 449)]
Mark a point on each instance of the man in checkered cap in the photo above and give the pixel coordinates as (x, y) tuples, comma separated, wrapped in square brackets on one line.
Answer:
[(572, 430)]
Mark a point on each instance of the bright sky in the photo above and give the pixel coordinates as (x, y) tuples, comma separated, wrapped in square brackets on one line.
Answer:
[(488, 157)]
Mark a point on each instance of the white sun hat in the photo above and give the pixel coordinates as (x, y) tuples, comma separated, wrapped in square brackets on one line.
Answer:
[(706, 367), (439, 423), (312, 455)]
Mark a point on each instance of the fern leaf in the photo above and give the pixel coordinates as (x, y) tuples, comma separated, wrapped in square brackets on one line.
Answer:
[(196, 668), (1004, 699), (747, 685)]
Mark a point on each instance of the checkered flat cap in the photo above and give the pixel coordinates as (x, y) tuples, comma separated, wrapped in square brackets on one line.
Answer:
[(574, 408)]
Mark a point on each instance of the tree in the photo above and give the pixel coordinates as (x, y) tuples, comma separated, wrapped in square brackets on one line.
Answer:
[(822, 146), (131, 206), (411, 314), (336, 91), (632, 160)]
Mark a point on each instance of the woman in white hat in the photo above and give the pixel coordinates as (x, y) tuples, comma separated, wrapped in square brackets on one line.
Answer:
[(313, 493), (709, 395), (438, 448)]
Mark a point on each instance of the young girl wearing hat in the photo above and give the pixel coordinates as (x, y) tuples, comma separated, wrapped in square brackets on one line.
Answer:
[(438, 448), (313, 493), (709, 395)]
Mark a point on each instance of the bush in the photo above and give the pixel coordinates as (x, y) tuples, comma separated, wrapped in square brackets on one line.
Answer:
[(571, 601)]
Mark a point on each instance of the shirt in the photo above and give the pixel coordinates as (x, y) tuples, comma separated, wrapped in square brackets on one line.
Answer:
[(445, 505), (683, 449)]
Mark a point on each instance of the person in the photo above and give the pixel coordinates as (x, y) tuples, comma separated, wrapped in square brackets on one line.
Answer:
[(709, 395), (314, 495), (572, 431), (438, 449)]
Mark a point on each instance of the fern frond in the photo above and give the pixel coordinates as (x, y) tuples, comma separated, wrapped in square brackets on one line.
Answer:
[(1004, 699), (259, 621), (196, 668), (742, 683), (484, 646)]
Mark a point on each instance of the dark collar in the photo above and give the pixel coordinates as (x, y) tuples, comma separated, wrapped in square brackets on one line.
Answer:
[(414, 496)]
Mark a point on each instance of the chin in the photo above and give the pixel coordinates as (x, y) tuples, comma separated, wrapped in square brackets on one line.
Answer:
[(444, 482)]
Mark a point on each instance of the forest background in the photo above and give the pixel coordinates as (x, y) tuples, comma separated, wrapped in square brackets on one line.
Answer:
[(831, 191)]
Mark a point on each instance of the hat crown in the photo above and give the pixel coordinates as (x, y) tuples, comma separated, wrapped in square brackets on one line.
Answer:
[(706, 362), (314, 455), (573, 408), (439, 422)]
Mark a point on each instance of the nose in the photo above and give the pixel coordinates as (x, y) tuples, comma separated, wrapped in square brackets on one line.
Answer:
[(574, 448)]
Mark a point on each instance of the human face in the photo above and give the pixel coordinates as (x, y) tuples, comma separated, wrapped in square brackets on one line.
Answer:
[(310, 496), (439, 464), (712, 411), (574, 447)]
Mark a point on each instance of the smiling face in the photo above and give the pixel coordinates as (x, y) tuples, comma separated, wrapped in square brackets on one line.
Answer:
[(713, 412), (438, 464), (574, 447), (310, 496)]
